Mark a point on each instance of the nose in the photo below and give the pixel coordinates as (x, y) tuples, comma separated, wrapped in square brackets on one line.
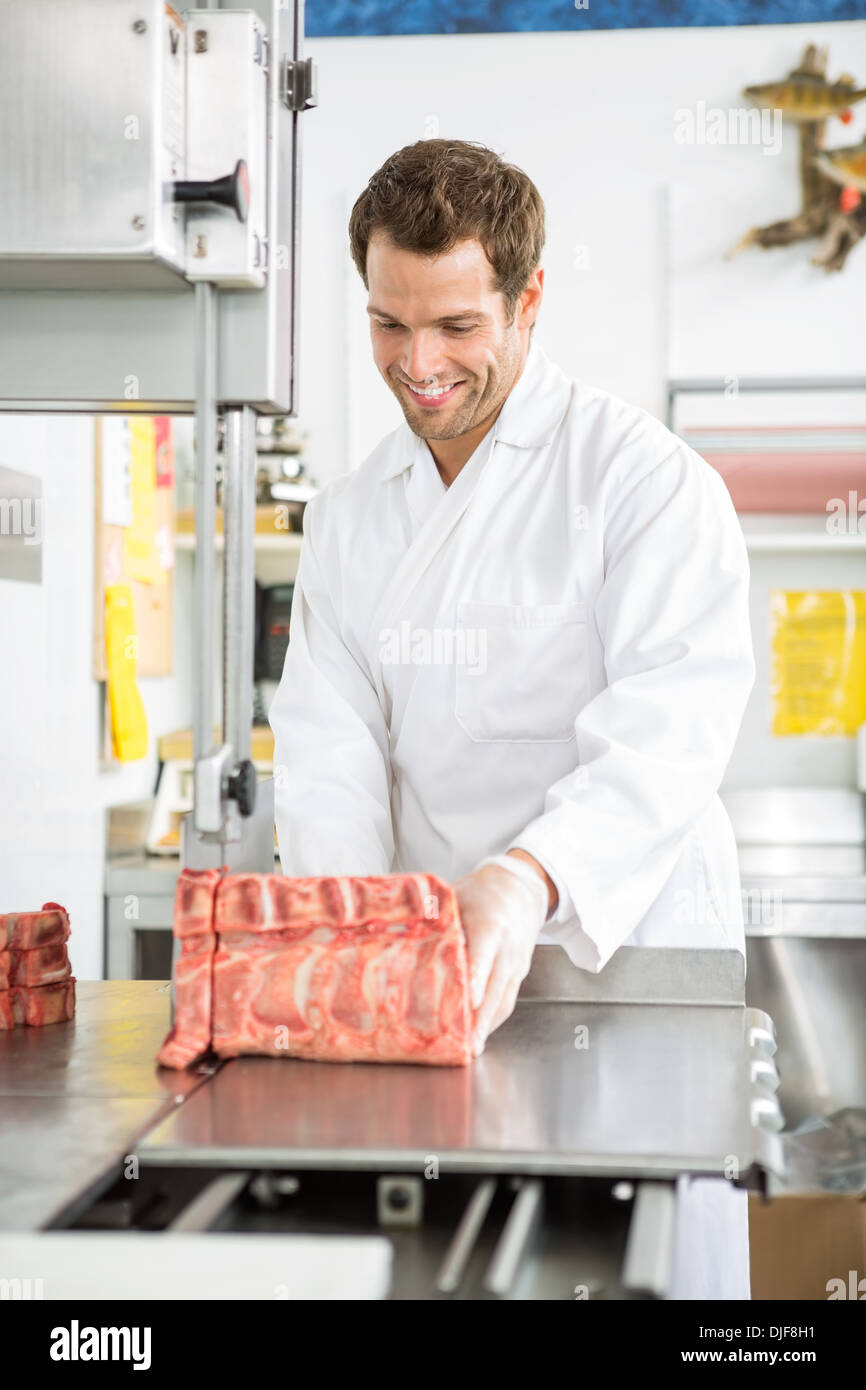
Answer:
[(421, 358)]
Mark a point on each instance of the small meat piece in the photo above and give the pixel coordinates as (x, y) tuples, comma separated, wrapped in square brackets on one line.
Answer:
[(34, 1008), (330, 969), (190, 1035), (27, 931), (44, 966)]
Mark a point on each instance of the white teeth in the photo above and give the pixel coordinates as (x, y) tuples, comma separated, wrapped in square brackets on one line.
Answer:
[(433, 390)]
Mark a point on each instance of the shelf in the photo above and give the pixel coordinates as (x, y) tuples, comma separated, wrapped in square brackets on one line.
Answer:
[(803, 540), (288, 544), (792, 531), (178, 744)]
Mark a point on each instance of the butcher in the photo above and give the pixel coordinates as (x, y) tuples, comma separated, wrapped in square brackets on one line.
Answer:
[(520, 648)]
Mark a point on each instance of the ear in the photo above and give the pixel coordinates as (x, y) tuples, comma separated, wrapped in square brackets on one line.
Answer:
[(529, 302)]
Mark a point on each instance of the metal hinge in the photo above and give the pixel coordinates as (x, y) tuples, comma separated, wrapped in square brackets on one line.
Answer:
[(298, 84)]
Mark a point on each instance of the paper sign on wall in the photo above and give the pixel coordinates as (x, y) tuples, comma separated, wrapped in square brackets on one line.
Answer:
[(165, 547), (818, 661), (164, 447), (116, 483), (142, 557), (128, 718)]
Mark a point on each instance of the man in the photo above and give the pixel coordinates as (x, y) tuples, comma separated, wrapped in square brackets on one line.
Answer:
[(520, 647)]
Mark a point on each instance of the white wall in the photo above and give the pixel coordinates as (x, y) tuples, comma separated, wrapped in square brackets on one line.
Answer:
[(591, 118)]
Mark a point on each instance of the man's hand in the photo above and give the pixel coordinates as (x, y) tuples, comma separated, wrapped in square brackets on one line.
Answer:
[(501, 918)]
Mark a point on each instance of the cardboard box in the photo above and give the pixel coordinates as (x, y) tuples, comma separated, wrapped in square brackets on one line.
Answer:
[(802, 1241)]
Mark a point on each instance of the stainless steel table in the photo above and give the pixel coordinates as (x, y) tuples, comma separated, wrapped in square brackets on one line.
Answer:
[(74, 1097), (584, 1108), (650, 1067)]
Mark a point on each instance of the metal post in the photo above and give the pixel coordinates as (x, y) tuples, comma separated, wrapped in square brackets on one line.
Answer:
[(204, 615), (239, 494)]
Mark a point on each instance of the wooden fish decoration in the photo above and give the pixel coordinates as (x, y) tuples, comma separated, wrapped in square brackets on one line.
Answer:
[(845, 165), (808, 98)]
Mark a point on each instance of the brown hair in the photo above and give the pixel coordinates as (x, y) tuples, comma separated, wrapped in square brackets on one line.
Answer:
[(434, 193)]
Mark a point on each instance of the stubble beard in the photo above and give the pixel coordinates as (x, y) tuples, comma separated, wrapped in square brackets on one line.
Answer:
[(472, 412)]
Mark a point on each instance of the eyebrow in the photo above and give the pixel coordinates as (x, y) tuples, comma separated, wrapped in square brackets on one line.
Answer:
[(446, 318)]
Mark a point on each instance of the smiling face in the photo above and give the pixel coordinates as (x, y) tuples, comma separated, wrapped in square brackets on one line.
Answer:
[(437, 322)]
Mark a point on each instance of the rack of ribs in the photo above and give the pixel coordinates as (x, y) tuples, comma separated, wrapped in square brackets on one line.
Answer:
[(326, 969)]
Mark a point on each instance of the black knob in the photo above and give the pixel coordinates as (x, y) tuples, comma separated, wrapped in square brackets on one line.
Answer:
[(231, 192), (242, 787)]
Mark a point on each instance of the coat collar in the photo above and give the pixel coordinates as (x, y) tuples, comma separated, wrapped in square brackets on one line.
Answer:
[(528, 419)]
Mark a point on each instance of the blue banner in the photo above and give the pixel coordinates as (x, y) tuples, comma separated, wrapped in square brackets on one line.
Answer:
[(342, 18)]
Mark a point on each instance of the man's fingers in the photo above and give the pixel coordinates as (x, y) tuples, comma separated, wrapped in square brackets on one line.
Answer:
[(481, 947), (506, 1007), (497, 986), (503, 1011), (493, 911)]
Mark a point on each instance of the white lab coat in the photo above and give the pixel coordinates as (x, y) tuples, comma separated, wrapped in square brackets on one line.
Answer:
[(553, 653)]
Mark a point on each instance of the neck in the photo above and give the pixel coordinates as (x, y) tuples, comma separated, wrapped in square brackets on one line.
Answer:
[(451, 455)]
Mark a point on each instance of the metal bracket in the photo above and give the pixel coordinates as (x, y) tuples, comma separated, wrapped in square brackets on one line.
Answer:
[(211, 780), (649, 1254), (298, 84), (517, 1236), (205, 1210)]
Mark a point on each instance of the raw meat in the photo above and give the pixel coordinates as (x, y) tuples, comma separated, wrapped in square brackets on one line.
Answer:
[(35, 984), (329, 969), (25, 931), (44, 966), (190, 1036), (37, 1007)]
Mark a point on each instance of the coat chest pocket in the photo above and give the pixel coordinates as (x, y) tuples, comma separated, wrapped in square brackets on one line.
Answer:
[(528, 679)]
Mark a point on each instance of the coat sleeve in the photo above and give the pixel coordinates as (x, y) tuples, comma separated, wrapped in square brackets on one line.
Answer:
[(653, 744), (332, 778)]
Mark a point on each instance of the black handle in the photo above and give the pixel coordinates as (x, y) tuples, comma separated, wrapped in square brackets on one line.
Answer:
[(231, 192), (242, 787)]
